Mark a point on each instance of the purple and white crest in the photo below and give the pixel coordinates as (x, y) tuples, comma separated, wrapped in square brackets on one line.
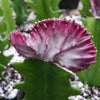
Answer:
[(63, 42)]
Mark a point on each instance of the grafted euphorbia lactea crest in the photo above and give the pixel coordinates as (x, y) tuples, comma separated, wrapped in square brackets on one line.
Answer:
[(62, 42), (95, 7)]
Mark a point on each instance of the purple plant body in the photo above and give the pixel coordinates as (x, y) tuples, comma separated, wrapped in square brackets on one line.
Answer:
[(95, 7), (62, 42)]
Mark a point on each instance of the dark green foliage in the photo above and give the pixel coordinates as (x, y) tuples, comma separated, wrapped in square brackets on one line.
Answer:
[(92, 75), (3, 63), (45, 8), (3, 43), (7, 15), (86, 7), (7, 25), (1, 12), (3, 26), (19, 8), (4, 59), (1, 69), (44, 81)]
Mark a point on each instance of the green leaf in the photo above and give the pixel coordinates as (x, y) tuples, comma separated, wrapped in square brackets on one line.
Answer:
[(7, 14), (19, 8), (45, 8), (3, 43), (1, 69), (1, 12), (44, 81), (92, 75), (7, 25), (4, 59), (86, 7), (3, 63), (3, 26)]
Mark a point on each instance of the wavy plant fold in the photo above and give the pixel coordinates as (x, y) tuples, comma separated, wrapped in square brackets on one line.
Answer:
[(61, 42)]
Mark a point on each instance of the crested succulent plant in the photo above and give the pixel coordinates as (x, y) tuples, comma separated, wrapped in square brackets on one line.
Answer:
[(61, 42)]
